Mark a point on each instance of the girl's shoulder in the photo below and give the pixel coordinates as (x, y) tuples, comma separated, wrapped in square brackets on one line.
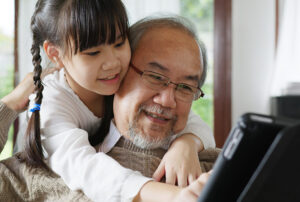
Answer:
[(59, 97), (57, 92), (56, 84), (56, 79)]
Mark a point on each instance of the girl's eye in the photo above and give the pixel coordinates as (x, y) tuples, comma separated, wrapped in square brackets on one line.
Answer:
[(92, 53), (120, 44)]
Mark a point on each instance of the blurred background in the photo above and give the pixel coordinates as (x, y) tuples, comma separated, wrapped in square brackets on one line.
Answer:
[(253, 54)]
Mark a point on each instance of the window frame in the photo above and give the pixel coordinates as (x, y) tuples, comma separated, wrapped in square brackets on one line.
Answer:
[(16, 64), (222, 70)]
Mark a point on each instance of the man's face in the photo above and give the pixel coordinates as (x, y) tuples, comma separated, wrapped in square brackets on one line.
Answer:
[(151, 116)]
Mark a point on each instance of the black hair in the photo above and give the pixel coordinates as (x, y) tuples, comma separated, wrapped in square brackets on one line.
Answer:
[(86, 24)]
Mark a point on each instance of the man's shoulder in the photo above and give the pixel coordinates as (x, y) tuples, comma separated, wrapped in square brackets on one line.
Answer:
[(22, 182)]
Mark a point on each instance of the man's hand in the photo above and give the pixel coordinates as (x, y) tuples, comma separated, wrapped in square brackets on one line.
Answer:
[(181, 163), (18, 99)]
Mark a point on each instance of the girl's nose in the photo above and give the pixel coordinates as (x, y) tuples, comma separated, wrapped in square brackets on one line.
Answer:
[(111, 61)]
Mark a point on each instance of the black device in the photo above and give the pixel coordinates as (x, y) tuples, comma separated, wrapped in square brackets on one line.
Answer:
[(244, 149), (277, 177)]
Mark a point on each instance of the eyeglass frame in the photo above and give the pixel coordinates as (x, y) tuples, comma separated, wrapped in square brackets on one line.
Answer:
[(140, 72)]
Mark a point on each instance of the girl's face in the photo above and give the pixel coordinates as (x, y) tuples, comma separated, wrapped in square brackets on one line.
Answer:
[(98, 70)]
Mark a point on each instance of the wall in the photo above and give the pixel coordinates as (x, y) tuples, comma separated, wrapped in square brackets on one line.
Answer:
[(253, 47)]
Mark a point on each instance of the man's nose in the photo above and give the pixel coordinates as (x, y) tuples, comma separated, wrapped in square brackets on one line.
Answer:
[(111, 60), (166, 97)]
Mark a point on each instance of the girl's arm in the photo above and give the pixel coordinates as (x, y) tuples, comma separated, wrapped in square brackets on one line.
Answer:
[(72, 157), (156, 191), (181, 165), (195, 125)]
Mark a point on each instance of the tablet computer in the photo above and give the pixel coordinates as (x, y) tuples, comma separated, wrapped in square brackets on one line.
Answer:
[(243, 150), (277, 176)]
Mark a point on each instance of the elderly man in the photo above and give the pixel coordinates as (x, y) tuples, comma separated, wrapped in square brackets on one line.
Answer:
[(167, 70), (165, 76)]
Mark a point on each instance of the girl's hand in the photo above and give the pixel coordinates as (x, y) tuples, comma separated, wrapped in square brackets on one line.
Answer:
[(181, 163), (157, 191), (192, 192)]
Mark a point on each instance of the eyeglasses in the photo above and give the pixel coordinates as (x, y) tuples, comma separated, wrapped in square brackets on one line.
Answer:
[(156, 81)]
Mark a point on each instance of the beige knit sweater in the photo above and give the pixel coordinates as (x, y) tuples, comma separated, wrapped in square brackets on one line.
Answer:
[(7, 116), (20, 182)]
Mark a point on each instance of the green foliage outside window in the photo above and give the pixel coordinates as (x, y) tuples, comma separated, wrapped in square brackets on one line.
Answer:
[(200, 12)]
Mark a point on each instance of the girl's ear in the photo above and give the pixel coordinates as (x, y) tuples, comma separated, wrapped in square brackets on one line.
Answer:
[(53, 53)]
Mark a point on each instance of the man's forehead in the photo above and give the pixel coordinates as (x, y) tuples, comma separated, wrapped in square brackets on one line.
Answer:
[(167, 35), (167, 46), (160, 39)]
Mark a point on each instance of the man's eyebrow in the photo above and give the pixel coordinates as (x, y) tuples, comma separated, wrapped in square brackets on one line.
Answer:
[(192, 78), (156, 65)]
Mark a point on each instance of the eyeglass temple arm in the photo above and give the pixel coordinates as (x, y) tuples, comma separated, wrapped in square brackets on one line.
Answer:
[(136, 69)]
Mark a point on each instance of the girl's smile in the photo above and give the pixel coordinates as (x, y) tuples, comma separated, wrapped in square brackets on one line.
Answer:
[(111, 79)]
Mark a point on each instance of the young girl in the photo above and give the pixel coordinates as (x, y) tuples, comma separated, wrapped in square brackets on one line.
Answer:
[(89, 39)]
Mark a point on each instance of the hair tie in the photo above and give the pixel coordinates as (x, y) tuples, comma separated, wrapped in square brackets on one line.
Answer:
[(36, 107)]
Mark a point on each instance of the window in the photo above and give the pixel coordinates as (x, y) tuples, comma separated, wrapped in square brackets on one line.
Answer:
[(201, 14)]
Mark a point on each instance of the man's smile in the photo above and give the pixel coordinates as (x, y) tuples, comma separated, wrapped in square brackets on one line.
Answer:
[(157, 118)]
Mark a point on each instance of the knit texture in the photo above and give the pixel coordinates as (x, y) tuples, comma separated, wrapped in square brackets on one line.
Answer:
[(7, 116), (147, 160), (20, 182)]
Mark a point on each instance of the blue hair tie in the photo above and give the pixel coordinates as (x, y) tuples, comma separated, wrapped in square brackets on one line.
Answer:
[(36, 107)]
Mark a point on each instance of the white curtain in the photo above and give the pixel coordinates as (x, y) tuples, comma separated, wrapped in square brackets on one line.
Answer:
[(286, 78), (138, 9)]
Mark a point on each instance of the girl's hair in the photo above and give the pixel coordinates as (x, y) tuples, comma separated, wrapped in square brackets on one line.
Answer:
[(74, 26)]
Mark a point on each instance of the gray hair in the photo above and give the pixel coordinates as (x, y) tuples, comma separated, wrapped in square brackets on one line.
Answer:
[(138, 29)]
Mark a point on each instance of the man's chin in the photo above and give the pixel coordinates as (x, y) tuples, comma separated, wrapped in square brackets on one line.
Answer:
[(150, 142), (153, 139)]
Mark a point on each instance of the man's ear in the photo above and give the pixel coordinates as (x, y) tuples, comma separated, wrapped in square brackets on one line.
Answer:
[(53, 53)]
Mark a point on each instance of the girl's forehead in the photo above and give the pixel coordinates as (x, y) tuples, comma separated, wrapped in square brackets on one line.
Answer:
[(99, 37)]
